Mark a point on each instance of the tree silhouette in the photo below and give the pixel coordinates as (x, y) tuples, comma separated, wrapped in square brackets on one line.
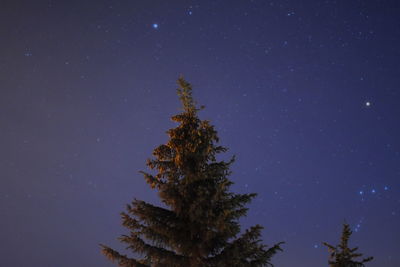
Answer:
[(343, 256), (199, 224)]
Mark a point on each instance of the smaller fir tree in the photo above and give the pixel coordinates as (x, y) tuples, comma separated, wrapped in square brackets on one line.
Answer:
[(343, 256)]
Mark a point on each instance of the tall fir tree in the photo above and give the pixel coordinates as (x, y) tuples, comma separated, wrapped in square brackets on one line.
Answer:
[(343, 256), (199, 224)]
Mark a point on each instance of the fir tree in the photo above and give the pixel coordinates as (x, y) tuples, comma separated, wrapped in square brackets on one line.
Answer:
[(343, 256), (199, 224)]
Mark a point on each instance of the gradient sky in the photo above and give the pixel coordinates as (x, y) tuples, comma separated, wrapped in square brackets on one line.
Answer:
[(304, 93)]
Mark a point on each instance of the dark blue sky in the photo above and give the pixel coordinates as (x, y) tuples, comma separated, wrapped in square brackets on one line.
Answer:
[(304, 93)]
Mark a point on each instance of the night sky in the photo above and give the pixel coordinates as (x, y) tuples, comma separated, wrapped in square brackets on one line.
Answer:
[(304, 93)]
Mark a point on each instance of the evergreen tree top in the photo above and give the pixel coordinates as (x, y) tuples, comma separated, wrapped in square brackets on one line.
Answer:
[(199, 225), (343, 256), (184, 92)]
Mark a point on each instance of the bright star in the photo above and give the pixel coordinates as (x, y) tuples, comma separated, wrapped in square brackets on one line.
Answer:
[(155, 26), (368, 103)]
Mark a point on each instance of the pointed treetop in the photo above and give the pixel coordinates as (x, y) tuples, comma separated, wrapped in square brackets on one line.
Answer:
[(342, 255), (185, 95)]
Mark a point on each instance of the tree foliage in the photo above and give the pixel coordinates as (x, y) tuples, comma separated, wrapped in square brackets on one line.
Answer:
[(343, 256), (199, 224)]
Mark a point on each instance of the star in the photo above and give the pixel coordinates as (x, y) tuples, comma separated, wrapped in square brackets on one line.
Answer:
[(368, 103), (155, 26)]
